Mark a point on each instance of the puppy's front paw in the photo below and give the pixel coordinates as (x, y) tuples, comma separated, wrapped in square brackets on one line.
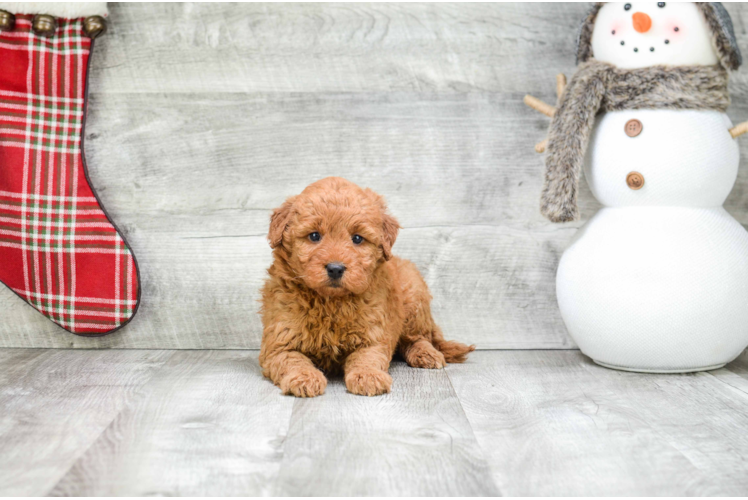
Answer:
[(425, 355), (368, 382), (304, 383)]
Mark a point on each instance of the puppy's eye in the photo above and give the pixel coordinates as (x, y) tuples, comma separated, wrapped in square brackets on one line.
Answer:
[(661, 5), (627, 6), (315, 236), (357, 239)]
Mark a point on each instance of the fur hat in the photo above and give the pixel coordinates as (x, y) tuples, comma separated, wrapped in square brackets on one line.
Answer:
[(718, 19)]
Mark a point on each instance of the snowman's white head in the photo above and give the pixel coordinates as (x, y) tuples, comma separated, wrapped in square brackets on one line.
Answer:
[(640, 34)]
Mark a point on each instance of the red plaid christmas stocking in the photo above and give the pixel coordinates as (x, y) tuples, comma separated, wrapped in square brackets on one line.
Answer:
[(59, 250)]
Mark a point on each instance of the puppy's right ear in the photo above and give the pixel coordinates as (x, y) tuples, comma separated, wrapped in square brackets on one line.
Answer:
[(279, 221)]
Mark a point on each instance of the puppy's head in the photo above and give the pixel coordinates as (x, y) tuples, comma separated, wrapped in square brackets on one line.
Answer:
[(333, 236)]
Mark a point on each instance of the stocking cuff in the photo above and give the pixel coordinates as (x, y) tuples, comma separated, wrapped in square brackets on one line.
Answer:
[(66, 10)]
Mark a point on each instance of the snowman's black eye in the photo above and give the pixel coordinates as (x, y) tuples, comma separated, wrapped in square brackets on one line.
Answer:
[(667, 42), (613, 32), (676, 29), (661, 5), (627, 6), (623, 43), (651, 49)]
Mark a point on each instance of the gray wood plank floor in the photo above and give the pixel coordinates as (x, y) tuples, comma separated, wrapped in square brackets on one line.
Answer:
[(156, 422), (204, 117)]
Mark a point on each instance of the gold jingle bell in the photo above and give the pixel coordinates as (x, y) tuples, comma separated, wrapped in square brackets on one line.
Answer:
[(44, 25), (7, 21), (94, 26)]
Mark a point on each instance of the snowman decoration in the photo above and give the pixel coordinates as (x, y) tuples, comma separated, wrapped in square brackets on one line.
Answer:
[(657, 280)]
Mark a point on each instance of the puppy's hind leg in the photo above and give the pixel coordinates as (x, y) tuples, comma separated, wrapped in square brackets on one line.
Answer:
[(421, 342), (430, 350), (422, 354)]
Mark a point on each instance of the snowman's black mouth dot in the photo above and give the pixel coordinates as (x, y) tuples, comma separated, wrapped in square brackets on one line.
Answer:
[(651, 49), (676, 29), (636, 50), (623, 43), (613, 32), (667, 42)]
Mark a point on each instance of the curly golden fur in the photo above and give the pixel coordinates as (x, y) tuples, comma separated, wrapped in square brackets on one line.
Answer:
[(317, 322)]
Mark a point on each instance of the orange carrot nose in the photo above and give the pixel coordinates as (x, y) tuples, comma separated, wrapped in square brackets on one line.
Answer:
[(642, 22)]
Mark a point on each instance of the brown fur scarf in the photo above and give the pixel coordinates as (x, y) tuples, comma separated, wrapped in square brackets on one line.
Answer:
[(598, 86)]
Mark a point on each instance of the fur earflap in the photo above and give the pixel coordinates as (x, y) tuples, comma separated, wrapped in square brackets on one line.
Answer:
[(723, 34), (66, 10), (584, 36), (715, 14)]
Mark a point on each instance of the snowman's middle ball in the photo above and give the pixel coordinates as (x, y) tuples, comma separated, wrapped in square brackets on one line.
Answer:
[(687, 158)]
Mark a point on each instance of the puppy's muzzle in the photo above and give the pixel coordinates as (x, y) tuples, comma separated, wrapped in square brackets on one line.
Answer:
[(335, 270)]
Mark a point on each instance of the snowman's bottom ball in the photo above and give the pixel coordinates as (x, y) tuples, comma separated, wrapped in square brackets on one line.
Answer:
[(661, 289)]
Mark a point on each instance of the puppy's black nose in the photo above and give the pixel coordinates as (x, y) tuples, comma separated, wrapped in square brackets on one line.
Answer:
[(335, 270)]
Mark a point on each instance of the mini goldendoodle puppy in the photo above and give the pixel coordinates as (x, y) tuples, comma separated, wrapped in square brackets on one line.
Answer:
[(337, 299)]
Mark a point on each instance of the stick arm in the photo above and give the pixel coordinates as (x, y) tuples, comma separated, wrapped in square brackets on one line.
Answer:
[(549, 110), (540, 106), (739, 129), (560, 84)]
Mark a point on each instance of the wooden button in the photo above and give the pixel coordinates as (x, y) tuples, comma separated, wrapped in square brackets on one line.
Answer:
[(635, 180), (633, 128)]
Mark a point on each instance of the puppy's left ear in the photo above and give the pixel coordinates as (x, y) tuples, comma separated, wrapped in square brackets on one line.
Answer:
[(278, 222), (390, 227)]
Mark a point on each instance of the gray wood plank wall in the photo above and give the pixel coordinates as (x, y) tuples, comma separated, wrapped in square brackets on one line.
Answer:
[(205, 117)]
